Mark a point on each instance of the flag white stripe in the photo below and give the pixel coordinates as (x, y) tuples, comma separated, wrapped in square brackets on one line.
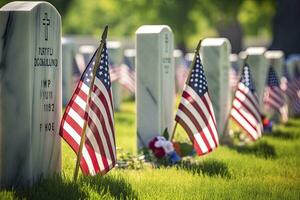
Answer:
[(92, 139), (109, 129), (77, 139), (246, 90), (245, 99), (77, 118), (200, 121), (96, 121), (190, 124), (102, 88), (238, 106), (244, 123), (201, 104)]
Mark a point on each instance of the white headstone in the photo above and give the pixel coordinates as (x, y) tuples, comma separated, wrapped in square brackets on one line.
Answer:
[(179, 69), (259, 68), (68, 56), (115, 53), (129, 56), (30, 92), (155, 81), (215, 58), (276, 58)]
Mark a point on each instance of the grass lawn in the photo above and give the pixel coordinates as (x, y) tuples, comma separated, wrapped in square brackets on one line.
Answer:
[(266, 169)]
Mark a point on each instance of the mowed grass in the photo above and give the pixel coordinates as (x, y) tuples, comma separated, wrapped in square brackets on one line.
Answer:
[(266, 169)]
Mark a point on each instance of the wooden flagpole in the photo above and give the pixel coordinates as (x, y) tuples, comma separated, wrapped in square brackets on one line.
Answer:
[(83, 133), (187, 81)]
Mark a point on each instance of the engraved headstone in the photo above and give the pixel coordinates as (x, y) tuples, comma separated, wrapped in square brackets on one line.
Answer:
[(259, 68), (115, 52), (129, 58), (68, 61), (155, 81), (215, 58), (276, 58), (30, 92)]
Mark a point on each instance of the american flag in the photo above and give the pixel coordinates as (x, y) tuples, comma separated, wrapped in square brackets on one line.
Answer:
[(290, 88), (273, 95), (234, 76), (182, 72), (114, 71), (127, 77), (99, 150), (195, 113), (245, 106)]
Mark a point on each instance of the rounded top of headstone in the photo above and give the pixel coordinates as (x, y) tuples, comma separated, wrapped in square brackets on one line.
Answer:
[(130, 52), (25, 6), (87, 49), (152, 29), (274, 54), (255, 50), (177, 53), (233, 57), (113, 44), (189, 56), (243, 55), (215, 42)]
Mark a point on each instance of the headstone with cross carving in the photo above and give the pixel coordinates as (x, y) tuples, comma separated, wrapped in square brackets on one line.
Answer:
[(30, 92), (215, 59), (155, 82)]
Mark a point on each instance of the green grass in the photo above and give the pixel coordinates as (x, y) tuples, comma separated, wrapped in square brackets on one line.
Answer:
[(266, 169)]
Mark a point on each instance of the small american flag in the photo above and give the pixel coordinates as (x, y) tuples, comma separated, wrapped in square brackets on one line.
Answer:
[(245, 107), (290, 88), (127, 77), (99, 151), (114, 72), (195, 113), (182, 72), (234, 76), (273, 95)]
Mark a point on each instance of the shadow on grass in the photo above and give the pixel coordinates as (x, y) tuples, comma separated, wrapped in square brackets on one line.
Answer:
[(59, 188), (260, 149), (122, 119), (54, 188), (287, 135), (293, 123), (209, 167), (116, 186)]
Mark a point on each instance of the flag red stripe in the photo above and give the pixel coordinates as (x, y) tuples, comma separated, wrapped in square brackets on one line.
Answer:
[(88, 144), (72, 143), (97, 111), (190, 134), (196, 124), (189, 98), (93, 128), (254, 113), (238, 122)]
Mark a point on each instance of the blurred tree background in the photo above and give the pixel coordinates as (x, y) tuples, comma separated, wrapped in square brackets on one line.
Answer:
[(189, 20)]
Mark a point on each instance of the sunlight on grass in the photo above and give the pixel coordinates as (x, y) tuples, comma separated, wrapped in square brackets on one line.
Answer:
[(266, 169)]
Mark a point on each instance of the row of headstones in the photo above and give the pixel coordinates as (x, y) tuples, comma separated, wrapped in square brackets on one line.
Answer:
[(31, 87)]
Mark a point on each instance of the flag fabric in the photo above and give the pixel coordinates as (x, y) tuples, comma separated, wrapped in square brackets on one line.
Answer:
[(127, 77), (245, 106), (291, 89), (234, 77), (195, 112), (274, 96), (182, 72), (99, 149), (114, 72)]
